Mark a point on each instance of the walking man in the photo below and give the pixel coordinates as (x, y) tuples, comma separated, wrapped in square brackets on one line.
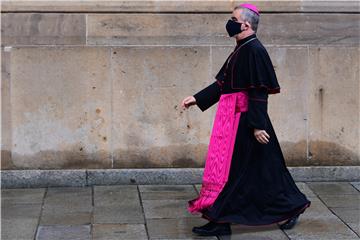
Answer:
[(245, 179)]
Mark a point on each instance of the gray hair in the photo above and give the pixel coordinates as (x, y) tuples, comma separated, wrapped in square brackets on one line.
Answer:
[(250, 16)]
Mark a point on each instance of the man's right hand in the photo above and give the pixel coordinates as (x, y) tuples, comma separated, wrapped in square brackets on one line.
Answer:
[(261, 136), (188, 101)]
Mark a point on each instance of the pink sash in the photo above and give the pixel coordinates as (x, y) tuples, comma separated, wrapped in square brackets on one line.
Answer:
[(219, 155)]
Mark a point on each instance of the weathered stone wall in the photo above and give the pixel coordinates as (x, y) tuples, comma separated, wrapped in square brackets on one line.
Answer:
[(97, 84)]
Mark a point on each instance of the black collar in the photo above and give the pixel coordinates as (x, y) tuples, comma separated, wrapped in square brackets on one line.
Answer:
[(241, 41)]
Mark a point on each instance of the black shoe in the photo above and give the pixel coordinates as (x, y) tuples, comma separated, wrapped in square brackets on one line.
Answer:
[(289, 224), (213, 229)]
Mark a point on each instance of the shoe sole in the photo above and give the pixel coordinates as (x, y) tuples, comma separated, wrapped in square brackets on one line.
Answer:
[(212, 234)]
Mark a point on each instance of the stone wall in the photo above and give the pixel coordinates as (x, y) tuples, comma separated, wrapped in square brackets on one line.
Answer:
[(98, 84)]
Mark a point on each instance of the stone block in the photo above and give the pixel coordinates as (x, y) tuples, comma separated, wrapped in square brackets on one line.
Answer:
[(209, 29), (159, 192), (60, 107), (333, 99), (332, 188), (76, 232), (119, 232), (6, 162), (175, 228), (149, 127), (157, 29), (42, 178), (42, 29), (19, 221), (166, 209)]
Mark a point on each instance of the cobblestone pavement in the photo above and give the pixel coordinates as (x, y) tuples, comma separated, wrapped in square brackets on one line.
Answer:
[(159, 212)]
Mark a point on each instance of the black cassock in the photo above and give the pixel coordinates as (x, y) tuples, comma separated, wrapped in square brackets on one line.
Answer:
[(260, 189)]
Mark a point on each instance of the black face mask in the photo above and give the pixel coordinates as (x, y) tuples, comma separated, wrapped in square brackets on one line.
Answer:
[(233, 27)]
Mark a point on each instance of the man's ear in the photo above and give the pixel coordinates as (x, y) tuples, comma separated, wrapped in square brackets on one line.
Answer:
[(247, 24)]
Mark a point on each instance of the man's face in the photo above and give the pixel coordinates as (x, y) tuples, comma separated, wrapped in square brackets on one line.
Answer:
[(245, 26)]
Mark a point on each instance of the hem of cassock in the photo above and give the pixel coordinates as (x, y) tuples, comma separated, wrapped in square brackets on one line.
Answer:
[(293, 213)]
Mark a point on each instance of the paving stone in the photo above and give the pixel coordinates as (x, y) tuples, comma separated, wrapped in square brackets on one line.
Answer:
[(355, 227), (175, 228), (241, 232), (115, 195), (19, 229), (348, 215), (198, 187), (348, 201), (19, 221), (305, 189), (22, 195), (356, 185), (69, 199), (117, 204), (318, 223), (67, 205), (166, 209), (127, 213), (331, 188), (119, 232), (58, 217), (60, 232), (158, 192), (321, 229)]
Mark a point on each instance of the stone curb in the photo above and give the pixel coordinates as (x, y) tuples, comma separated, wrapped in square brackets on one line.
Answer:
[(89, 177)]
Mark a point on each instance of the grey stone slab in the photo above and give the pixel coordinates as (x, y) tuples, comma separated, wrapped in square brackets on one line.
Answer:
[(175, 228), (145, 176), (318, 222), (72, 178), (299, 29), (179, 29), (166, 209), (63, 232), (346, 201), (69, 199), (116, 195), (159, 192), (40, 28), (20, 211), (149, 29), (304, 188), (64, 111), (119, 232), (316, 229), (176, 6), (19, 229), (6, 161), (181, 142), (348, 215), (42, 178), (356, 185), (331, 138), (355, 227), (332, 188), (241, 232), (325, 173), (126, 213), (19, 221), (65, 217), (15, 196)]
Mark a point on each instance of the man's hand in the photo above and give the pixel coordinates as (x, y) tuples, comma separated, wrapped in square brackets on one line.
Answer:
[(261, 135), (188, 101)]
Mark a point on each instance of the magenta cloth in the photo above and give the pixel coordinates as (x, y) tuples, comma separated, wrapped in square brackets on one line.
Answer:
[(220, 150), (251, 7)]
